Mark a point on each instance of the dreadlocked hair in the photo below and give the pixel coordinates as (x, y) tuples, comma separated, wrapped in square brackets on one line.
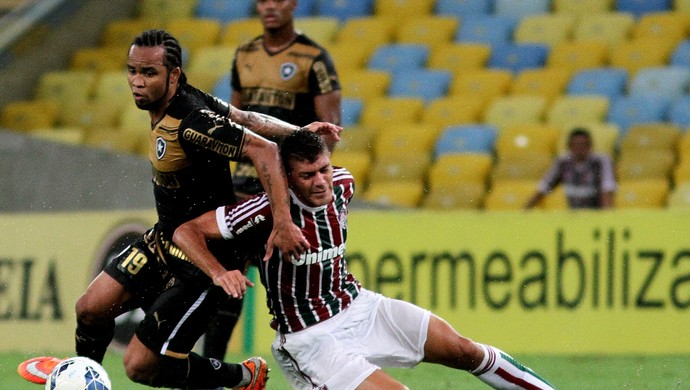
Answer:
[(173, 51), (301, 145)]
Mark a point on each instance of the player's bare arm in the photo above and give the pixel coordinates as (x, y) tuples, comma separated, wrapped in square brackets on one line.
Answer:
[(191, 237), (285, 234), (328, 109)]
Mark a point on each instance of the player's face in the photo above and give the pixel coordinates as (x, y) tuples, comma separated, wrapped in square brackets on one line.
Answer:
[(312, 182), (147, 76), (580, 147), (275, 14)]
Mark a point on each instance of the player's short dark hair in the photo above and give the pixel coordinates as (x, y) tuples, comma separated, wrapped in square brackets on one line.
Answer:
[(302, 145), (173, 51), (579, 132)]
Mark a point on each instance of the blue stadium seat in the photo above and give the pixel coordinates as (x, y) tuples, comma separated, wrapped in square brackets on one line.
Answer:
[(463, 8), (681, 55), (629, 110), (641, 7), (491, 29), (521, 8), (396, 56), (679, 112), (222, 88), (668, 81), (344, 9), (351, 110), (607, 81), (518, 56), (304, 8), (474, 138), (224, 10), (424, 83)]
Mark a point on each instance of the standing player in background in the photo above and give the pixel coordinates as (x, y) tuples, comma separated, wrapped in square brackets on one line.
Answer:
[(284, 74), (331, 332)]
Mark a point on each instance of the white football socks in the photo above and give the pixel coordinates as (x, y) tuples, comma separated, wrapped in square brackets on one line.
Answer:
[(500, 371)]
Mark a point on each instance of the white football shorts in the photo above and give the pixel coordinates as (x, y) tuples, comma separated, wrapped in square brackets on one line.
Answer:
[(341, 352)]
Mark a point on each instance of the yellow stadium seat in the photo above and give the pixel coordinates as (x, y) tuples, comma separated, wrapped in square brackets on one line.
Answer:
[(679, 196), (112, 88), (100, 59), (582, 8), (357, 162), (548, 29), (384, 111), (364, 84), (506, 111), (604, 136), (65, 135), (348, 57), (237, 32), (403, 8), (642, 194), (681, 6), (577, 55), (133, 119), (402, 194), (454, 110), (681, 172), (356, 138), (459, 57), (555, 200), (523, 139), (121, 32), (568, 110), (113, 139), (321, 29), (89, 115), (453, 168), (208, 64), (650, 136), (66, 86), (645, 164), (669, 25), (509, 194), (526, 166), (407, 167), (611, 28), (546, 82), (683, 145), (487, 83), (401, 139), (165, 10), (27, 115), (466, 195), (429, 30), (367, 31), (195, 33), (635, 54)]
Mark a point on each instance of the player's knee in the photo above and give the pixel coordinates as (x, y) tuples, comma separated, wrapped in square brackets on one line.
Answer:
[(85, 311)]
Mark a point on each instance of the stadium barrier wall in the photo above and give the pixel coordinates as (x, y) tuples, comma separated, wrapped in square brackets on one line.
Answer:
[(529, 282)]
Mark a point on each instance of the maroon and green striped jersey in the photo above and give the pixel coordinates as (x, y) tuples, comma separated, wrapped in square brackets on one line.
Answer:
[(305, 291)]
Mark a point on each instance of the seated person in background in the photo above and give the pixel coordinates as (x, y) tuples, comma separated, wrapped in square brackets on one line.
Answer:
[(588, 177)]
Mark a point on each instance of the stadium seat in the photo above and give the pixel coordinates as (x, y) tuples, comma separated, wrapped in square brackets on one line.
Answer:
[(66, 135), (582, 8), (454, 110), (224, 11), (365, 84), (681, 6), (165, 10), (506, 111), (89, 115), (518, 56), (610, 28), (568, 110), (392, 111), (356, 139), (404, 140), (430, 30), (671, 26), (651, 136), (402, 194), (635, 54), (392, 168), (465, 196), (305, 8), (629, 110), (423, 83), (546, 82), (113, 139), (351, 110), (640, 8), (641, 194), (459, 57), (222, 88), (100, 59), (344, 9), (472, 138), (455, 168), (525, 139), (397, 57), (488, 29), (135, 120), (403, 9), (239, 31), (195, 33), (521, 8), (463, 8), (679, 112), (66, 87), (509, 194), (357, 162), (485, 83), (555, 200), (369, 31), (322, 29), (27, 115), (526, 166), (680, 56), (668, 81), (645, 164), (121, 32), (548, 29), (607, 81), (604, 137), (111, 88), (577, 55), (348, 57), (208, 64), (679, 196), (681, 172)]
